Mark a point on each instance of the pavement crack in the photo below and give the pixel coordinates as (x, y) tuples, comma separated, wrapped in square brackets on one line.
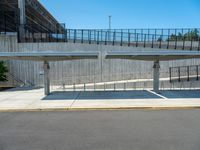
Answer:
[(75, 99)]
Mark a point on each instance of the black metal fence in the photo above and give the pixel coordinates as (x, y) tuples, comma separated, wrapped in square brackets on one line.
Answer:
[(188, 40), (184, 73), (181, 39)]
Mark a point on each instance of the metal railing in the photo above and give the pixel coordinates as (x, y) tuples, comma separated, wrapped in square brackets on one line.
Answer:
[(188, 39), (181, 39), (184, 73)]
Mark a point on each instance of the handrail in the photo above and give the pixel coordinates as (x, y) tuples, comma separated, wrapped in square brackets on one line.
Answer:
[(182, 39), (184, 73)]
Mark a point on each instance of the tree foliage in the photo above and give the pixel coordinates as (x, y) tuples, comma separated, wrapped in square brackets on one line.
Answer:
[(189, 36), (3, 71)]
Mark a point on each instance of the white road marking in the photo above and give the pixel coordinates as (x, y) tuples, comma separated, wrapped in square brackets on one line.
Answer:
[(157, 94)]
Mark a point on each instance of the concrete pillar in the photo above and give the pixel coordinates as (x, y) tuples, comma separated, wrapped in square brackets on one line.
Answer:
[(46, 78), (22, 15), (156, 76)]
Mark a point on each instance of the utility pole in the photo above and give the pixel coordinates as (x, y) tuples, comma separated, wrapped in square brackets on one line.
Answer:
[(110, 17), (109, 33)]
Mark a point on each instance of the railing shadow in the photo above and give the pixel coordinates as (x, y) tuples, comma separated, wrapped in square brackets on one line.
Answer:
[(180, 94), (101, 95)]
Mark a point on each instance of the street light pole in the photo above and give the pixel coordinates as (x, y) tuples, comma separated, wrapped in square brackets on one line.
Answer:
[(110, 17)]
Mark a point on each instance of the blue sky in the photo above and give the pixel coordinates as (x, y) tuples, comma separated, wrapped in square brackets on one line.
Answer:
[(126, 13)]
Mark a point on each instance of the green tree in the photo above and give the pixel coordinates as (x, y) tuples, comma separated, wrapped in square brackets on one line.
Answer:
[(3, 71), (191, 35)]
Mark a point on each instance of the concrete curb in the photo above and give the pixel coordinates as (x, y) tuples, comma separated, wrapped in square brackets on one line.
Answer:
[(100, 109)]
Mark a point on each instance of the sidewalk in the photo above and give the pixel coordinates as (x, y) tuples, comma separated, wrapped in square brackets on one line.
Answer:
[(34, 99)]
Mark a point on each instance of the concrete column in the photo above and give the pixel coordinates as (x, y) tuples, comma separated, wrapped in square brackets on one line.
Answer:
[(46, 78), (156, 76), (22, 15)]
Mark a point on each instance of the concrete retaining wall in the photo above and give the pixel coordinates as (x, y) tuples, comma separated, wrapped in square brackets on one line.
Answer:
[(82, 71)]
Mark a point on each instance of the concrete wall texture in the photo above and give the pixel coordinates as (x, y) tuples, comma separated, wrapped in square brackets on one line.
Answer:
[(82, 71)]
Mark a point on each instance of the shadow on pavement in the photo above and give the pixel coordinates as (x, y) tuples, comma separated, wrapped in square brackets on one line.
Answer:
[(22, 89), (101, 95), (181, 94)]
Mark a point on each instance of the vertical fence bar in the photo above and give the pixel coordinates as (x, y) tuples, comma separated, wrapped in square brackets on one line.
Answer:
[(188, 73), (114, 36), (69, 34), (74, 36), (82, 36), (155, 35), (179, 74), (95, 36), (129, 39), (152, 44), (121, 44), (66, 35), (176, 38), (98, 37), (199, 45), (160, 40), (89, 36), (145, 36), (197, 69), (136, 40), (170, 75), (175, 46), (168, 39), (184, 42), (101, 36), (106, 37), (141, 34)]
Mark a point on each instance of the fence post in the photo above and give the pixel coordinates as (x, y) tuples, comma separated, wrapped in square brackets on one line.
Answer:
[(74, 36), (82, 36), (199, 45), (106, 38), (69, 34), (152, 41), (183, 42), (197, 72), (114, 34), (129, 39), (98, 37), (188, 73), (89, 36), (121, 44), (179, 74), (170, 75), (145, 40), (136, 40), (168, 38), (176, 42)]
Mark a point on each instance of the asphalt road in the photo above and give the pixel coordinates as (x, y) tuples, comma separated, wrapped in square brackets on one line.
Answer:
[(101, 130)]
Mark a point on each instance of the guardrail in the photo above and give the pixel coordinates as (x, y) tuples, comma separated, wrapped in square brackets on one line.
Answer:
[(184, 73), (188, 39), (182, 39)]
